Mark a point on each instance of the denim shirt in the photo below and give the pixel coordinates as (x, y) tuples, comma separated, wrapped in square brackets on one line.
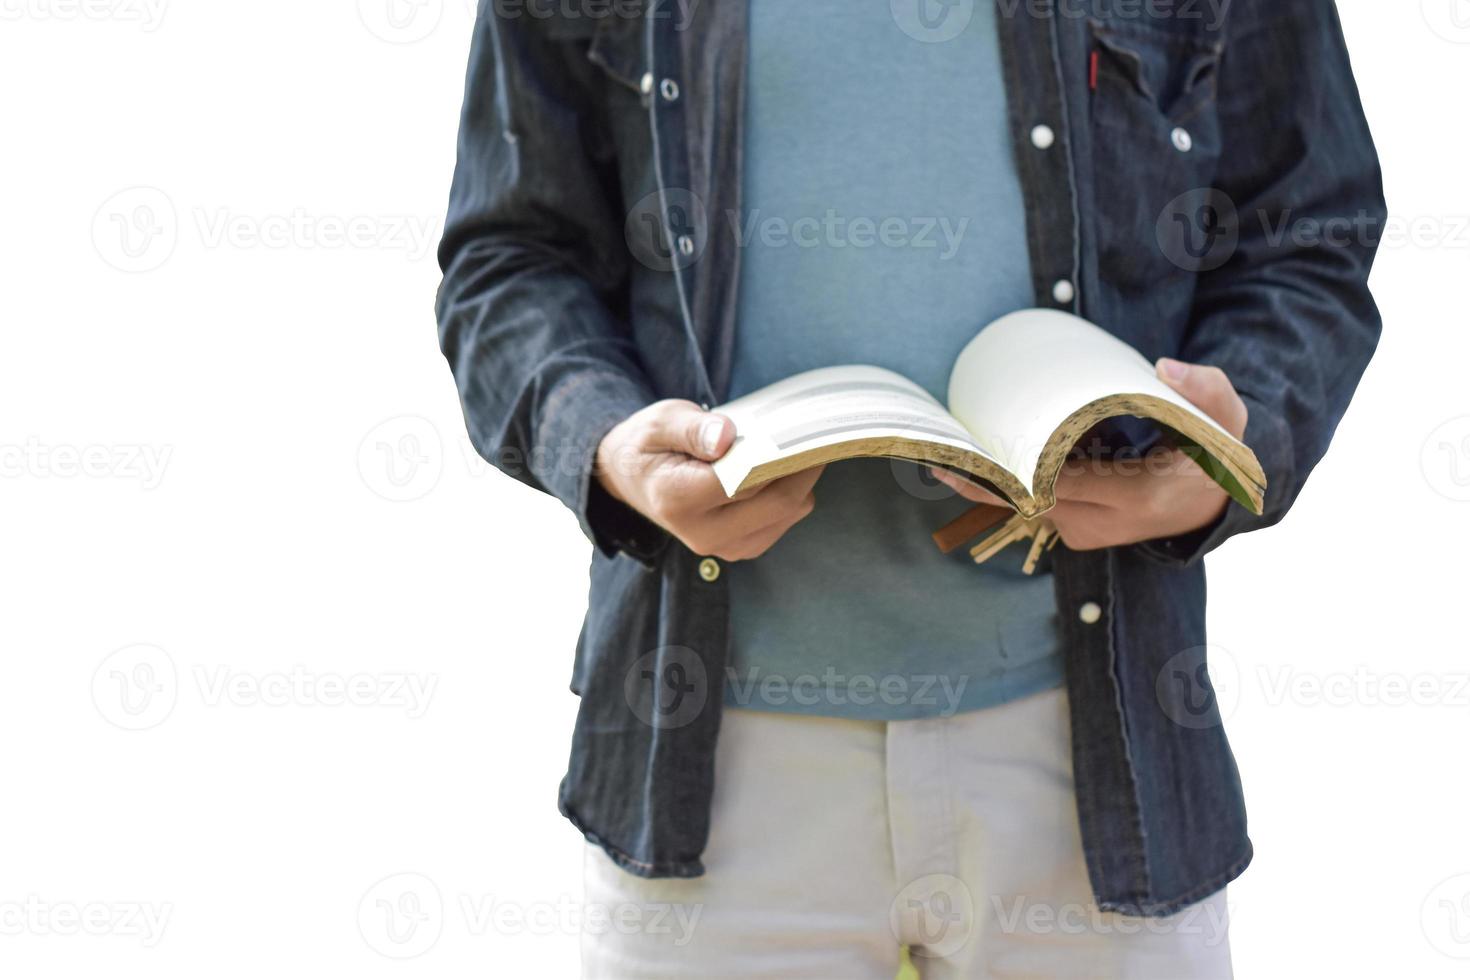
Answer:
[(1199, 180)]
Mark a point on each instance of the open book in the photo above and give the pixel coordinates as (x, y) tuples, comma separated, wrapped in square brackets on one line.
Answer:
[(1021, 395)]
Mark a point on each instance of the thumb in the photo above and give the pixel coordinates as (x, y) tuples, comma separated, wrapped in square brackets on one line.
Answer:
[(684, 427), (1209, 389)]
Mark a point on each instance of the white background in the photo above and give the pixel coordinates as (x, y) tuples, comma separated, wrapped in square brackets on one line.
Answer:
[(235, 475)]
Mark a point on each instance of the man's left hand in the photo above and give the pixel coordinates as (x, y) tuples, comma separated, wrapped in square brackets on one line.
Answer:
[(1105, 504)]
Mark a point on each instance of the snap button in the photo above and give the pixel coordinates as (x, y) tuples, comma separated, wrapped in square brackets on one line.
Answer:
[(669, 89), (1064, 292), (686, 245), (645, 84), (1042, 137), (1181, 139), (1090, 613), (709, 569)]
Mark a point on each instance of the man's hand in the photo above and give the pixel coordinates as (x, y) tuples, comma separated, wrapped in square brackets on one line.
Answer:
[(657, 462), (1103, 504)]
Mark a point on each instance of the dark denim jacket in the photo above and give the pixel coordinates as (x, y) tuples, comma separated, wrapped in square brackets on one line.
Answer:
[(1210, 191)]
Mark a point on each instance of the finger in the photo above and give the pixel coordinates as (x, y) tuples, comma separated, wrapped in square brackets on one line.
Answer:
[(683, 427), (1209, 389), (1086, 526), (761, 540), (967, 488), (690, 488), (772, 504), (807, 478)]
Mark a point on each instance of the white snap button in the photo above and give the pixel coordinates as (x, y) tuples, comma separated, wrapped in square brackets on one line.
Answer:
[(686, 245), (1042, 137), (669, 89), (645, 84), (1090, 613), (709, 569), (1181, 139), (1064, 292)]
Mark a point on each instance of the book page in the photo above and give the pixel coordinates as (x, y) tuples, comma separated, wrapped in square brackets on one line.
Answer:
[(1016, 383), (828, 408)]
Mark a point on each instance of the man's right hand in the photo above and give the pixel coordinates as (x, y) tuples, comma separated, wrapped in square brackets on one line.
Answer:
[(657, 461)]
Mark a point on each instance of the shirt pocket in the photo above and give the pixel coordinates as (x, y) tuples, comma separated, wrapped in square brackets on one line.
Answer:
[(1156, 146)]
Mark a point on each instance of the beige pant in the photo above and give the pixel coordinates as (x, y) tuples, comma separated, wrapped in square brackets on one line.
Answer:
[(834, 843)]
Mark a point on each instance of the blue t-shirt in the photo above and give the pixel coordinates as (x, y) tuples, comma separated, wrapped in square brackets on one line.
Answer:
[(882, 224)]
